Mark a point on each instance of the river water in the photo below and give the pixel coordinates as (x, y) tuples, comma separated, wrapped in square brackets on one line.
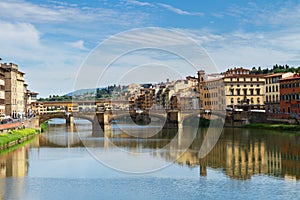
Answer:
[(69, 162)]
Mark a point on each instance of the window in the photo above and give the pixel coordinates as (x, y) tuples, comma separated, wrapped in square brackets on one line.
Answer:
[(245, 91), (252, 100), (258, 91), (231, 101), (251, 92), (231, 91), (267, 98), (238, 100), (238, 91), (258, 100), (266, 88)]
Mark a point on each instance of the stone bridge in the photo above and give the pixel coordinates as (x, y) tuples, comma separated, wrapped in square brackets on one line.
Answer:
[(102, 120)]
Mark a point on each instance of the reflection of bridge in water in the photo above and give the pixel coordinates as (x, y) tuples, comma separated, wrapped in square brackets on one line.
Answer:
[(239, 153)]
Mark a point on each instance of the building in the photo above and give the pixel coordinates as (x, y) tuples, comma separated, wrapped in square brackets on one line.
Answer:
[(212, 92), (234, 89), (145, 99), (2, 91), (272, 91), (244, 90), (290, 94), (31, 98), (15, 90)]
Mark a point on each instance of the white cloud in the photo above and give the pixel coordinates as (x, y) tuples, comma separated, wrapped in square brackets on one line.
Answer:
[(21, 34), (279, 13), (69, 14), (49, 41), (78, 44), (50, 67), (139, 3), (179, 11), (240, 48), (19, 40)]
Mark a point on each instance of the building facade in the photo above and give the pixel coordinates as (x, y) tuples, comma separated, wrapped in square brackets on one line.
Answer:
[(272, 91), (213, 94), (244, 90), (234, 89), (2, 91), (15, 91), (290, 94)]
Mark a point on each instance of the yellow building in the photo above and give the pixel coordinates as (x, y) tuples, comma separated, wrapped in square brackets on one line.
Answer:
[(212, 92), (15, 90), (2, 91), (21, 90), (272, 91), (234, 89), (244, 90)]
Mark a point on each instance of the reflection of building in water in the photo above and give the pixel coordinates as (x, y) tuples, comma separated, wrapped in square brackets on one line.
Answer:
[(14, 164), (242, 154), (274, 160), (189, 158), (215, 159), (290, 158), (244, 160)]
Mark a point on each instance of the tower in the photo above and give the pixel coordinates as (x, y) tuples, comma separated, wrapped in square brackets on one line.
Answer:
[(201, 83)]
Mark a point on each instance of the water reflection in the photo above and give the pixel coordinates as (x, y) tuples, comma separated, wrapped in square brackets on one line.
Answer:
[(239, 153), (14, 164)]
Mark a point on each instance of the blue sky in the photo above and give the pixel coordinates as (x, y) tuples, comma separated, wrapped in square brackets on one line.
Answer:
[(51, 39)]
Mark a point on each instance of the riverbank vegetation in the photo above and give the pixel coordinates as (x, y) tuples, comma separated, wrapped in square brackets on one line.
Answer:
[(14, 147), (43, 127), (16, 135), (285, 127)]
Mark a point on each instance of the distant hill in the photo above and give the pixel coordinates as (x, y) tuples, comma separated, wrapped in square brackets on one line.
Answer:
[(81, 92)]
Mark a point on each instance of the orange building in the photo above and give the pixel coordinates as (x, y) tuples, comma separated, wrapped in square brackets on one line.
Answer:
[(290, 94)]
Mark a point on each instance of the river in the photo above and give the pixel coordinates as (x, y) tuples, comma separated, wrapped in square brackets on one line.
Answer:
[(69, 162)]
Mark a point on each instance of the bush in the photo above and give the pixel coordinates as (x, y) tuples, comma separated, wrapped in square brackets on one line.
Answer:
[(14, 135)]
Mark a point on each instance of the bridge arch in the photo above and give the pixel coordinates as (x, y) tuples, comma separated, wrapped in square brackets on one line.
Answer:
[(46, 117), (118, 116)]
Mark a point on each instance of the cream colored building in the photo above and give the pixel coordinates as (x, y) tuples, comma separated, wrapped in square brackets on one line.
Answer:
[(15, 90), (2, 91), (244, 90), (234, 89), (21, 94), (213, 94), (272, 91)]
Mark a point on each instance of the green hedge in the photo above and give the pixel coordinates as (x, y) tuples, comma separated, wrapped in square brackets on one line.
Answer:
[(286, 127), (43, 127), (14, 135)]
